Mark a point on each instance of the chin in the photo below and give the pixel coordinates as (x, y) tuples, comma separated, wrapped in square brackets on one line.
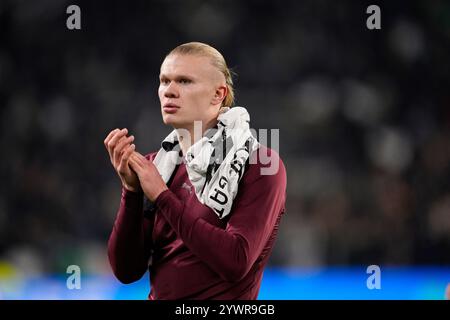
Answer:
[(170, 120)]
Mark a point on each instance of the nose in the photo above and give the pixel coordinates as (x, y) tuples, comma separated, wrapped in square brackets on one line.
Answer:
[(171, 91)]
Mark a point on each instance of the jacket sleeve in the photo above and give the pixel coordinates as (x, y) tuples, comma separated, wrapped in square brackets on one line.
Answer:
[(130, 242), (231, 252)]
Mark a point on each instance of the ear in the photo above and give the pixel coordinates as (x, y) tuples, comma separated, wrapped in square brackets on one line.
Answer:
[(219, 95)]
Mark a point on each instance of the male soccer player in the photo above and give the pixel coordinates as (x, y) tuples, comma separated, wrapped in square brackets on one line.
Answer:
[(201, 213)]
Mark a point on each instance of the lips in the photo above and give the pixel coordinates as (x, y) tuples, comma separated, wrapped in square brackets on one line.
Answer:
[(170, 108)]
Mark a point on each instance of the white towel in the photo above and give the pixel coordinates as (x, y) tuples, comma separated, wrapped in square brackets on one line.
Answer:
[(215, 163)]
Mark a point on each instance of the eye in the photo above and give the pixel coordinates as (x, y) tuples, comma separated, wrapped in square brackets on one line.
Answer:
[(184, 81), (164, 81)]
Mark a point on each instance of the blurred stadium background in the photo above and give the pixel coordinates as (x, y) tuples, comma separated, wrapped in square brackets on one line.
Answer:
[(364, 119)]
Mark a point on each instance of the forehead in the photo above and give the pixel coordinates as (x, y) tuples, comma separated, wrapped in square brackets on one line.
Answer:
[(188, 65)]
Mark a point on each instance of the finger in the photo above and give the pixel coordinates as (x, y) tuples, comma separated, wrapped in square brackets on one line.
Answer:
[(137, 161), (125, 158), (134, 158), (140, 156), (116, 137), (142, 160), (135, 164), (109, 136), (120, 147), (128, 152), (113, 141)]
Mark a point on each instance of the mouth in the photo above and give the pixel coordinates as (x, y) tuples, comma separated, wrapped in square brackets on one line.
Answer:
[(170, 108)]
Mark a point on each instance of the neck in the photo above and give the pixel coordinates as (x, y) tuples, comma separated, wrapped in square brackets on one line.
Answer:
[(188, 136)]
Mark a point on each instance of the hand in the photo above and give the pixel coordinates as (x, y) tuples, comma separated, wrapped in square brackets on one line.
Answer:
[(151, 182), (120, 148)]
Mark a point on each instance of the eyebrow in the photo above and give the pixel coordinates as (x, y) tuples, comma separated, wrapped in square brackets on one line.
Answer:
[(177, 77)]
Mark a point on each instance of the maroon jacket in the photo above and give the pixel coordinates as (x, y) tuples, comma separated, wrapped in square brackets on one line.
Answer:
[(192, 254)]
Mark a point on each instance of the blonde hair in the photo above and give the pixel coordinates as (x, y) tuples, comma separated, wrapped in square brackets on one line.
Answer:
[(202, 49)]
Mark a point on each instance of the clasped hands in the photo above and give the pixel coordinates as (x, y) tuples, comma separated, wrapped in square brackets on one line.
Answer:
[(134, 170)]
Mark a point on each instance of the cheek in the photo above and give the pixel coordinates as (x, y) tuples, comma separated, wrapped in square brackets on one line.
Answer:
[(202, 96)]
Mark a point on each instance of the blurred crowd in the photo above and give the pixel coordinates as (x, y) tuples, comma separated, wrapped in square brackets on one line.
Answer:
[(364, 119)]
